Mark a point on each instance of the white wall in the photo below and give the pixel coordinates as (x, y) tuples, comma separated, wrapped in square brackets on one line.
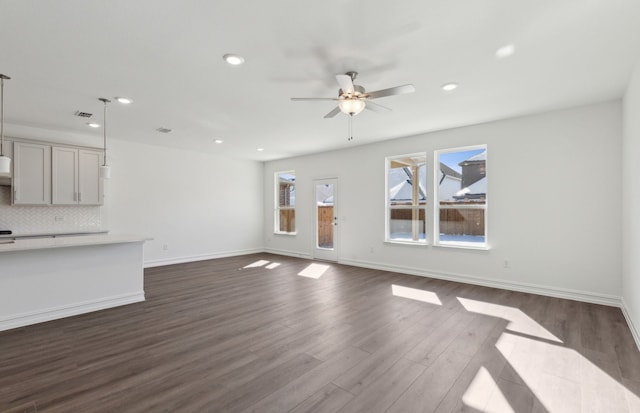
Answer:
[(198, 205), (554, 194), (631, 204)]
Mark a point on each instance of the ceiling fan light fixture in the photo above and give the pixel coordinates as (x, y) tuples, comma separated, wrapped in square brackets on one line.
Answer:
[(351, 106)]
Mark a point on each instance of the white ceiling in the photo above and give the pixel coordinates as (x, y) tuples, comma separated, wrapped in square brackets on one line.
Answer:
[(167, 56)]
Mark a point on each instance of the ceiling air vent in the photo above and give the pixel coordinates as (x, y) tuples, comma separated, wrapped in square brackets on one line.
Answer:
[(83, 114), (163, 130)]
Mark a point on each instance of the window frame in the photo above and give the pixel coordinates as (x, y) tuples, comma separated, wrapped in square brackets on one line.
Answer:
[(438, 207), (278, 208), (424, 206)]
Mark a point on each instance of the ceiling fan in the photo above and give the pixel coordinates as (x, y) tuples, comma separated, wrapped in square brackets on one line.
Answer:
[(353, 99)]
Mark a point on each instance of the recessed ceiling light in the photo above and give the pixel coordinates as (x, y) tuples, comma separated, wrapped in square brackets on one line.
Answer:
[(124, 101), (233, 59), (218, 141), (505, 51), (93, 125), (260, 149), (448, 87)]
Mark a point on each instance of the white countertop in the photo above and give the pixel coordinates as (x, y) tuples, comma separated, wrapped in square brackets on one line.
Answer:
[(51, 234), (69, 241)]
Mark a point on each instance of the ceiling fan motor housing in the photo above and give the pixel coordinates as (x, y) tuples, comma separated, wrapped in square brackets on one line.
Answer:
[(358, 91)]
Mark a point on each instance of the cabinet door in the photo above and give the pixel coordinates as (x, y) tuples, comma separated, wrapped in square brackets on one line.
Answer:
[(64, 183), (31, 174), (89, 181)]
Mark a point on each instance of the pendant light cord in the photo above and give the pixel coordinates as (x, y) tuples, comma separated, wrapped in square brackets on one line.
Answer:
[(104, 132), (2, 114), (104, 129)]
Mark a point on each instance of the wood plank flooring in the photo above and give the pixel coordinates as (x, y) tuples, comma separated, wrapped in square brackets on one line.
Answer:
[(249, 334)]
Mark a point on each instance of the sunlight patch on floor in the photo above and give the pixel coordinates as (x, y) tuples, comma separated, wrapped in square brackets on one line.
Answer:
[(482, 390), (519, 322), (314, 271), (562, 379), (273, 265), (259, 263), (415, 294)]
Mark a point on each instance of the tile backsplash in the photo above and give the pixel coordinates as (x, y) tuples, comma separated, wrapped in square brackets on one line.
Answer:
[(37, 219)]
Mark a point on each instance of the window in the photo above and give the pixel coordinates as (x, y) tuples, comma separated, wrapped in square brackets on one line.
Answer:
[(285, 217), (406, 198), (462, 197)]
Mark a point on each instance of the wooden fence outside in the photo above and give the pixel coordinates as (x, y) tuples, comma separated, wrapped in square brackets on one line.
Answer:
[(452, 222), (325, 226), (462, 221), (287, 220)]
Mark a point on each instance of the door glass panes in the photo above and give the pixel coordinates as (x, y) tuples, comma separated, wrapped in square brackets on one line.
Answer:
[(462, 197), (325, 215), (406, 198)]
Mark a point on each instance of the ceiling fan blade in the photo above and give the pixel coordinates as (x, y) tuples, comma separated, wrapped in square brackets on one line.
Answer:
[(333, 113), (376, 107), (306, 99), (398, 90), (345, 82)]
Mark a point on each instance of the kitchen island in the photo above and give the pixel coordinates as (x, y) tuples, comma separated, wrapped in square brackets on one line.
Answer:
[(43, 279)]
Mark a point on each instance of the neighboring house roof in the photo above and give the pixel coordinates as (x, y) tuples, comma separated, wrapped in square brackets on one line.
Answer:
[(478, 187), (448, 171), (481, 157), (402, 192)]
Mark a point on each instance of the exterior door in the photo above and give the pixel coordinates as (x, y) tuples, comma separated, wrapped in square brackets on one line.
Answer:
[(326, 217)]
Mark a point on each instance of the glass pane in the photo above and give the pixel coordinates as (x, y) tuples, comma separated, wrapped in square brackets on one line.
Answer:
[(462, 225), (324, 201), (287, 189), (462, 196), (402, 221), (406, 197), (463, 176), (287, 220), (286, 201)]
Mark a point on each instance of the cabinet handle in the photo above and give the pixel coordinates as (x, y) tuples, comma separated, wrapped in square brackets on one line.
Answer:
[(15, 194)]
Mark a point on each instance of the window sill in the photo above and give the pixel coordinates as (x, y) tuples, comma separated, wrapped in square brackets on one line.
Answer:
[(414, 243), (464, 247), (285, 233)]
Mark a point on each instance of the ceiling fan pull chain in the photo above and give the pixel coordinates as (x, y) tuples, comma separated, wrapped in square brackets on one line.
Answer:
[(350, 127)]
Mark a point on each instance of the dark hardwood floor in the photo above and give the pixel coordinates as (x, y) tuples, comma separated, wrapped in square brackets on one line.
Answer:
[(249, 334)]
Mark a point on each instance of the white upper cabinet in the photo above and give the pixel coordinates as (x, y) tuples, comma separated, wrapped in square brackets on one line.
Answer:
[(76, 176), (90, 185), (64, 184), (31, 174)]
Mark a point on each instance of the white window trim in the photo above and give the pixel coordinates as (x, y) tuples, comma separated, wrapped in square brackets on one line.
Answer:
[(437, 207)]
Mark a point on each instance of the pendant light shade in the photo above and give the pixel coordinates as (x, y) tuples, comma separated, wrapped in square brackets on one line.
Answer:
[(105, 170), (5, 161)]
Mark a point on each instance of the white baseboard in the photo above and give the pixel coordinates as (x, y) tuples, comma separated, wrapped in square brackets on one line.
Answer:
[(577, 295), (635, 332), (25, 319), (203, 257), (296, 254)]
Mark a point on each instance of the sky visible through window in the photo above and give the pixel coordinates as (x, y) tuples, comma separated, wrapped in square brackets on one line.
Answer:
[(452, 159)]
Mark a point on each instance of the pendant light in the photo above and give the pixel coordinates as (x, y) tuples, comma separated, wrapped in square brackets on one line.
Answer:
[(5, 161), (105, 170)]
